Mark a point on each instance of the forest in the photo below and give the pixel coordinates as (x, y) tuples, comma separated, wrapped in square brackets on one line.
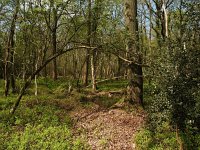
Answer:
[(100, 74)]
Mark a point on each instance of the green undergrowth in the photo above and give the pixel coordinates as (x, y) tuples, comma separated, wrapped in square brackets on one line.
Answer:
[(160, 133), (148, 140), (1, 87), (112, 85), (40, 137), (38, 123), (43, 121)]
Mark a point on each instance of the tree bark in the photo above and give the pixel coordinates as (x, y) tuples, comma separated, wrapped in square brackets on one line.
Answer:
[(161, 21), (36, 67), (94, 25), (165, 20), (150, 26), (9, 56), (135, 88), (54, 43), (87, 59), (1, 63), (93, 70)]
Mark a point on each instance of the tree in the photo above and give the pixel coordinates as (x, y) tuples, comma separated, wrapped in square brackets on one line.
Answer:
[(1, 63), (9, 57), (52, 17), (182, 93), (135, 88), (93, 40), (87, 58)]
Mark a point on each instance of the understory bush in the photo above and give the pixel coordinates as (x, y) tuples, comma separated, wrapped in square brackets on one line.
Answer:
[(40, 137), (148, 140), (38, 123)]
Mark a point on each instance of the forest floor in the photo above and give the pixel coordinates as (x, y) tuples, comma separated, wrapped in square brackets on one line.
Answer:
[(77, 119), (110, 128)]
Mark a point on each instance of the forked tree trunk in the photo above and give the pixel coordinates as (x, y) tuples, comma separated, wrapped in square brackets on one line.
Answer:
[(135, 88)]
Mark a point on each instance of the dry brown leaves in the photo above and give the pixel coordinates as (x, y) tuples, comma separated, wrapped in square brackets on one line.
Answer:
[(109, 130)]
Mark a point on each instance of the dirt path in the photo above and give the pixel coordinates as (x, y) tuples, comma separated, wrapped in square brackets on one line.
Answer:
[(112, 129)]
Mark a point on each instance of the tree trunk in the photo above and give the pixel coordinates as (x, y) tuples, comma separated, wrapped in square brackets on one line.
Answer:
[(55, 75), (93, 71), (12, 75), (159, 29), (1, 63), (36, 67), (165, 20), (86, 68), (161, 21), (9, 57), (54, 43), (150, 26), (119, 69), (93, 40), (36, 86), (135, 88), (87, 59)]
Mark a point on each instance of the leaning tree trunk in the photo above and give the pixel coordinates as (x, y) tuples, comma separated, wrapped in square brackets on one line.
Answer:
[(135, 88), (9, 57)]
